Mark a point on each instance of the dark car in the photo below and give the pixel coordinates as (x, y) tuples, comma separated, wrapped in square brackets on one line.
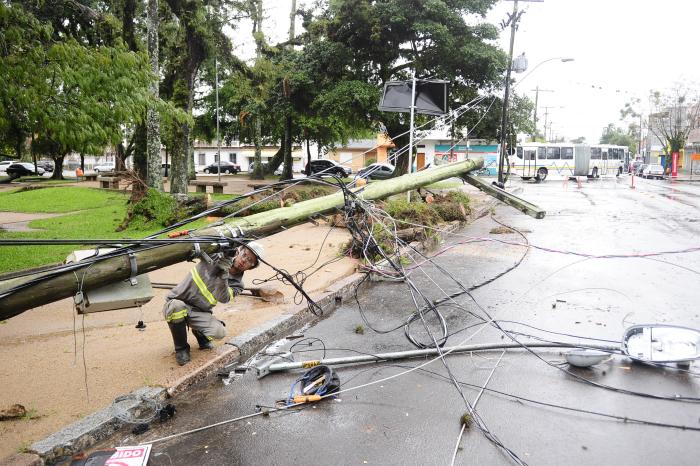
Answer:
[(47, 165), (226, 167), (23, 169), (376, 171), (326, 167), (635, 166)]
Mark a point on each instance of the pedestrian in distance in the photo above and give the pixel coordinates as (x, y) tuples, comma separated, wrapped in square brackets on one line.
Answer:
[(192, 301)]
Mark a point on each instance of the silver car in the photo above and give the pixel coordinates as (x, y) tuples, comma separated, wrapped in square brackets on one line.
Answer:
[(653, 171)]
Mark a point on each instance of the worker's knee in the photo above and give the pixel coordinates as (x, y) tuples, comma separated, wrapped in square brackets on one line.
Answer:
[(218, 331), (175, 311)]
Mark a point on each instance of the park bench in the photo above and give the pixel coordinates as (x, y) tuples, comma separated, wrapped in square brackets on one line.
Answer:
[(92, 177), (108, 182), (201, 186)]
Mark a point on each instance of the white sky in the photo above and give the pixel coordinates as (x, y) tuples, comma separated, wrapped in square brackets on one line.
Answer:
[(621, 49)]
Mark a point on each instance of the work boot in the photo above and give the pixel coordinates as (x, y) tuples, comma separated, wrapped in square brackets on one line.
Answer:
[(182, 348), (204, 342)]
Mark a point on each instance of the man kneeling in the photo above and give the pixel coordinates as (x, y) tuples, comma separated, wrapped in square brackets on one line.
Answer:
[(191, 302)]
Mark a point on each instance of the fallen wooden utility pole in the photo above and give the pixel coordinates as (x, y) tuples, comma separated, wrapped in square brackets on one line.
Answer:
[(504, 196), (46, 286)]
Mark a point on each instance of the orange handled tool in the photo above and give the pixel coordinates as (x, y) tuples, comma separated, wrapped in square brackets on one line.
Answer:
[(179, 233), (306, 398)]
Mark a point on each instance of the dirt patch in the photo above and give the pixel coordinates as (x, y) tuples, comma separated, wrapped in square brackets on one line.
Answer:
[(43, 359), (501, 230)]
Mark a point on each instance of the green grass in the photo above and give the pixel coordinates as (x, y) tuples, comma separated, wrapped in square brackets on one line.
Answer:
[(58, 199), (103, 212)]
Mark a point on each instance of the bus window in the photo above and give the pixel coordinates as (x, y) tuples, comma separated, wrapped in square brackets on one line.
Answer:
[(519, 152), (541, 153), (605, 155), (553, 153), (567, 153), (595, 153), (529, 154), (614, 154)]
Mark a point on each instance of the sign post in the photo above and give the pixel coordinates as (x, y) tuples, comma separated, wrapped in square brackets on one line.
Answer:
[(674, 164)]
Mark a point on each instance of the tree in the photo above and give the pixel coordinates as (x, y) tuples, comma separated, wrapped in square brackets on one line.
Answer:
[(69, 58), (154, 178), (362, 44), (579, 140), (672, 116), (617, 136)]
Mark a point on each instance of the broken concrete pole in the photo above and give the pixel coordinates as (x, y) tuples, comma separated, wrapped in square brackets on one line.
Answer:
[(37, 291)]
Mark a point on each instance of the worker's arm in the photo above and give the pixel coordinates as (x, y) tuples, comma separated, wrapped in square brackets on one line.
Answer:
[(216, 276), (235, 282)]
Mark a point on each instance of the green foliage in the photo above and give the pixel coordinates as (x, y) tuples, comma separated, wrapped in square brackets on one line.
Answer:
[(415, 211), (615, 135), (155, 210)]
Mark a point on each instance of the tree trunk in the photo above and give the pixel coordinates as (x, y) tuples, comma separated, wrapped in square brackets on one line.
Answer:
[(58, 167), (154, 178), (258, 169), (276, 159), (140, 147), (287, 170), (82, 162)]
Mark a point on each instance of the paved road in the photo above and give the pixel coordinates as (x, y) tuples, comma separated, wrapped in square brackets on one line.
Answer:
[(415, 418)]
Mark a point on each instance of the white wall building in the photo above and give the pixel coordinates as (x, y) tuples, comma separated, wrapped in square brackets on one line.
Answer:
[(243, 155)]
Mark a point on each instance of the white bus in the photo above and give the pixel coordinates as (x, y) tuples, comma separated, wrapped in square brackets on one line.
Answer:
[(555, 160), (608, 160)]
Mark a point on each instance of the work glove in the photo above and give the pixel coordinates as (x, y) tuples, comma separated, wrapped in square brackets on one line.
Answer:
[(224, 264)]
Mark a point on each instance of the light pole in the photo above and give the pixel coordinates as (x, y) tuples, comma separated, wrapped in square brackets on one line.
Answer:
[(534, 118), (561, 59)]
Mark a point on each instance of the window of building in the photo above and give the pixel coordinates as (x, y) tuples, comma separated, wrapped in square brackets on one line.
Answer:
[(232, 157), (553, 153), (216, 158), (201, 159), (567, 153)]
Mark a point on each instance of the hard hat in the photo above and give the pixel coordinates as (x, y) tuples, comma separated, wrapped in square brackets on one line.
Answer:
[(258, 250)]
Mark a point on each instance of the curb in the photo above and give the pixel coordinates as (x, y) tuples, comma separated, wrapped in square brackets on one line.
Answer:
[(92, 428), (100, 425)]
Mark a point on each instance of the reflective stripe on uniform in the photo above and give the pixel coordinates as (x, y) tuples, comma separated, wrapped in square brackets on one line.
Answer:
[(177, 315), (202, 287)]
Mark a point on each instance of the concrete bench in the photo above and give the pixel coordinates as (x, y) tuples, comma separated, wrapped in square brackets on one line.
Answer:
[(108, 182), (90, 177), (201, 186), (265, 183)]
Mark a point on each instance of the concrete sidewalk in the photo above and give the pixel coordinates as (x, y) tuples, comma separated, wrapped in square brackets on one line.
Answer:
[(122, 360)]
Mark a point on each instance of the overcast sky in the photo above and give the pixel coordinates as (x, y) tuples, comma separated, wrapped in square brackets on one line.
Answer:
[(621, 49)]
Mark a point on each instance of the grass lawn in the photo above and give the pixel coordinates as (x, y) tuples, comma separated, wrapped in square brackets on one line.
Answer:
[(96, 214)]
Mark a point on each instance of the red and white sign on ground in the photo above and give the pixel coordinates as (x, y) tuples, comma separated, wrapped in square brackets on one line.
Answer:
[(130, 456)]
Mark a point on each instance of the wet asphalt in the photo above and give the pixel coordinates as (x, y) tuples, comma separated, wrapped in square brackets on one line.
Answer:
[(415, 418)]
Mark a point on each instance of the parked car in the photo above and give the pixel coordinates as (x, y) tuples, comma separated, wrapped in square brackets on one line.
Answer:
[(104, 167), (634, 166), (640, 169), (326, 167), (653, 171), (23, 169), (47, 165), (4, 164), (376, 171), (226, 167)]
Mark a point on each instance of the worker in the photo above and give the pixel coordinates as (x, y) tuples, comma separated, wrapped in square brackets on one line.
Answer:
[(191, 302)]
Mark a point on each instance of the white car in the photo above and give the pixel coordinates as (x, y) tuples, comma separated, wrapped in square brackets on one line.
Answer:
[(4, 164), (653, 171), (104, 167)]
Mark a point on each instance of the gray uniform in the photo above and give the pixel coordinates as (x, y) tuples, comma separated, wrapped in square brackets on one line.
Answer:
[(194, 297)]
